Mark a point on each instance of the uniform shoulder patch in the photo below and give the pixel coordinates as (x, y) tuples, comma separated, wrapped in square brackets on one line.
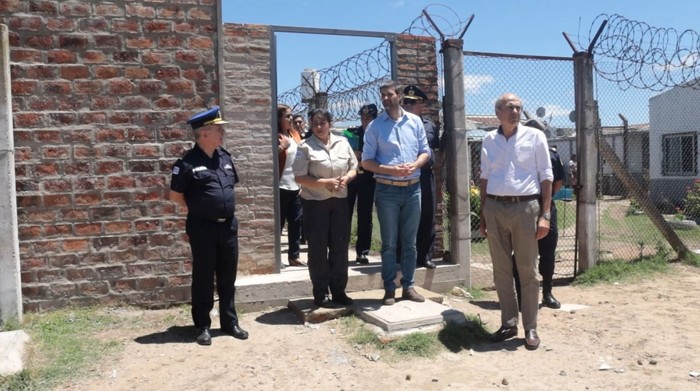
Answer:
[(176, 170)]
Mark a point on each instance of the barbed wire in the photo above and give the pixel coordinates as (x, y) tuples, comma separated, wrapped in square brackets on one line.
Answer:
[(644, 56), (355, 81)]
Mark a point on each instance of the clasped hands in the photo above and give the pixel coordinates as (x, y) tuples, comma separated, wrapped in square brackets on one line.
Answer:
[(337, 183)]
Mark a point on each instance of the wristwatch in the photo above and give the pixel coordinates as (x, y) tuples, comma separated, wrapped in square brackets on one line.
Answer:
[(547, 216)]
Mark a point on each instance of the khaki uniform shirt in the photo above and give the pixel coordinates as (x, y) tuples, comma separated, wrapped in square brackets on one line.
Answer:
[(316, 160)]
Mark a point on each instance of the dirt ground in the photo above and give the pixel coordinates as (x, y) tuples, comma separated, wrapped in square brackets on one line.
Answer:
[(631, 336)]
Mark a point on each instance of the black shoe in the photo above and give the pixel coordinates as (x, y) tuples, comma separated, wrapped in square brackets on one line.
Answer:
[(532, 340), (203, 336), (362, 259), (550, 302), (343, 300), (504, 333), (236, 332), (325, 302), (428, 265)]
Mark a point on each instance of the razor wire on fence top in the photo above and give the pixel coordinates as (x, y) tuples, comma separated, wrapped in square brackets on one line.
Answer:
[(355, 81), (646, 57)]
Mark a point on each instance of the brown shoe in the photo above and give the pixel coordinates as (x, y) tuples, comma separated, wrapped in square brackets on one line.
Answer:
[(411, 294), (389, 298), (296, 262), (532, 340)]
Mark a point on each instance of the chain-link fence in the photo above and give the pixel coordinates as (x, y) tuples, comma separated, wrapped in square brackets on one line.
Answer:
[(546, 87)]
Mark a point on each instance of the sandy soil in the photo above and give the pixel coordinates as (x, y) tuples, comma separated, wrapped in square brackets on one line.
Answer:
[(645, 333)]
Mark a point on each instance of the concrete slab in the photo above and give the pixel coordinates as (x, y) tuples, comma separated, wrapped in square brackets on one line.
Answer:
[(404, 316), (12, 351)]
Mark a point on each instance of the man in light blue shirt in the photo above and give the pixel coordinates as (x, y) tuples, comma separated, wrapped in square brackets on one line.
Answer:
[(395, 149)]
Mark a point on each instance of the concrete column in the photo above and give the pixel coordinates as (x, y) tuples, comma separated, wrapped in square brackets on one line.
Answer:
[(10, 286), (458, 158), (586, 129)]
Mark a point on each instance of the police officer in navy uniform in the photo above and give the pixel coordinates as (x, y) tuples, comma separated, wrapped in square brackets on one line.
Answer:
[(414, 100), (362, 188), (547, 246), (203, 180)]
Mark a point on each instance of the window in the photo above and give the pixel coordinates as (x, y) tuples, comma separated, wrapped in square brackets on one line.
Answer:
[(680, 154)]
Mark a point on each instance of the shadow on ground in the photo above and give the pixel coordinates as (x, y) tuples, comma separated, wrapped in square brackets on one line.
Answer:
[(174, 334)]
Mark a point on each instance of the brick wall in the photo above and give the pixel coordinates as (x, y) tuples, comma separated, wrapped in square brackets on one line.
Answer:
[(100, 92)]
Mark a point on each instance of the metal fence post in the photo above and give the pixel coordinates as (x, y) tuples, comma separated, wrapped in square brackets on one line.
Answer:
[(459, 173), (10, 285), (586, 128)]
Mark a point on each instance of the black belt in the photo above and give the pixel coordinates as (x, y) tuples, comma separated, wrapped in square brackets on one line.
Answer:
[(513, 199)]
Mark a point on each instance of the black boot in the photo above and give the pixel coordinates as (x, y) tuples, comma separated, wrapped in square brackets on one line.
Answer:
[(548, 299)]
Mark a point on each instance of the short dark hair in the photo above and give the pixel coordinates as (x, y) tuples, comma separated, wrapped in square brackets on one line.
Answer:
[(323, 113), (390, 84)]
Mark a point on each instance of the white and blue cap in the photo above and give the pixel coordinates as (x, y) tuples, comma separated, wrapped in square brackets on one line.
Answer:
[(209, 117)]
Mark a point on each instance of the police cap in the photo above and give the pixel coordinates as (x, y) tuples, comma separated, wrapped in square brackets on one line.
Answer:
[(368, 110), (413, 92), (209, 117)]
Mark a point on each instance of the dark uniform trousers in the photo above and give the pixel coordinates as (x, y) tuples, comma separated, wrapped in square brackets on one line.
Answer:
[(214, 251), (291, 212), (327, 236), (362, 189), (425, 240)]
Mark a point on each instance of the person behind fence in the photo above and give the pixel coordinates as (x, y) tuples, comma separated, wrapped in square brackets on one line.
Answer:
[(324, 166), (547, 246), (290, 202), (203, 180), (395, 149), (414, 100), (573, 172), (515, 174), (362, 188)]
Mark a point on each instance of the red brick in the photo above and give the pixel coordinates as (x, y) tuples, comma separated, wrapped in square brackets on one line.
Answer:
[(64, 260), (26, 55), (26, 185), (140, 11), (108, 9), (104, 103), (32, 216), (92, 117), (150, 283), (45, 276), (171, 42), (52, 246), (25, 22), (55, 152), (88, 87), (8, 6), (121, 182), (136, 103), (57, 87), (127, 284), (88, 229), (93, 288), (200, 43), (168, 73), (120, 198), (23, 154), (120, 86), (132, 73), (28, 263), (171, 12), (181, 87), (150, 87), (75, 8), (113, 150), (184, 28), (60, 24), (60, 56), (74, 214), (93, 57), (122, 117), (139, 269), (46, 169), (125, 26), (39, 103), (52, 200), (24, 87), (140, 134), (157, 26), (146, 151), (166, 102), (60, 119), (41, 72), (73, 41), (153, 181), (87, 199), (78, 168), (89, 183), (80, 274), (199, 13), (108, 41), (78, 245), (47, 136), (140, 43), (110, 135), (195, 74), (94, 26), (117, 227), (71, 72), (110, 272), (135, 240), (107, 71), (110, 167), (174, 134), (28, 232), (155, 58), (125, 57), (57, 185), (144, 166), (40, 42)]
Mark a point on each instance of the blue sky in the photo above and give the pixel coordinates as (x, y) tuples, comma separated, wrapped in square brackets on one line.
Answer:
[(508, 26)]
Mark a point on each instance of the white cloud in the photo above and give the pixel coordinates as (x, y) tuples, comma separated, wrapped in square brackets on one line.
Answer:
[(473, 83)]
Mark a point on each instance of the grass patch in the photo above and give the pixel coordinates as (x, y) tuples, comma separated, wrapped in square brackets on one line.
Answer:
[(62, 347), (620, 270), (425, 345)]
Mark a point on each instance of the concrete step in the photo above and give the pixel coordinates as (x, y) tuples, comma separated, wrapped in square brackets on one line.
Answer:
[(12, 351)]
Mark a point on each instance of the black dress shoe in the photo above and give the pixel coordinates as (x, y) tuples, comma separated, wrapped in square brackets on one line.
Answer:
[(325, 302), (504, 333), (362, 259), (532, 340), (428, 265), (343, 300), (203, 336), (550, 302), (236, 332)]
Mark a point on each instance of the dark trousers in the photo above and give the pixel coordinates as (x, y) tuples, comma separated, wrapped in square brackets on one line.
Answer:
[(362, 189), (214, 253), (547, 248), (290, 212), (425, 240), (327, 236)]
